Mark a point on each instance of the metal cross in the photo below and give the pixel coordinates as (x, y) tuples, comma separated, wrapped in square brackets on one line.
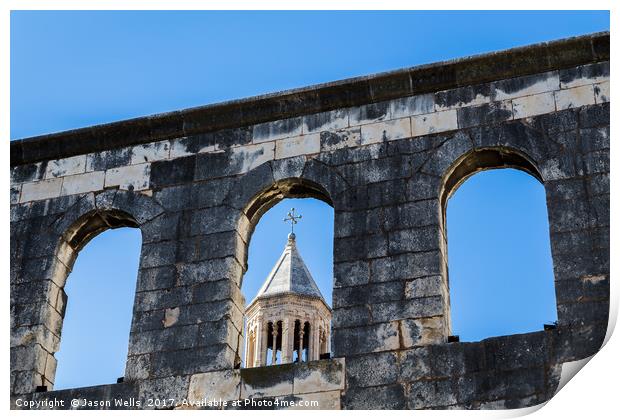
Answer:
[(292, 218)]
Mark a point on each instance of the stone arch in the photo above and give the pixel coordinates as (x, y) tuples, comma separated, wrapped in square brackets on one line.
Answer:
[(95, 213), (477, 160), (464, 167), (87, 218), (255, 192)]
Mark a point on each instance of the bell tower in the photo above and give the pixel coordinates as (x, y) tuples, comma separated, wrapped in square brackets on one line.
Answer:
[(288, 320)]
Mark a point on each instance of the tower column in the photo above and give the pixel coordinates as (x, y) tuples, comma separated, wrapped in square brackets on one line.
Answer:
[(287, 341), (316, 340), (261, 355), (301, 341), (310, 341), (328, 339), (250, 348), (248, 362), (257, 343), (274, 345)]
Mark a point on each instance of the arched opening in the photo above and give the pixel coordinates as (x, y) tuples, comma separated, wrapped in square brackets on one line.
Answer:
[(102, 252), (500, 268), (280, 327)]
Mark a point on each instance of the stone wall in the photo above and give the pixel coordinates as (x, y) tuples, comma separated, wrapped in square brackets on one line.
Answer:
[(386, 152)]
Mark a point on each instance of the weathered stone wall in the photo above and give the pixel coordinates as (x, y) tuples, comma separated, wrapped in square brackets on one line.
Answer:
[(386, 152)]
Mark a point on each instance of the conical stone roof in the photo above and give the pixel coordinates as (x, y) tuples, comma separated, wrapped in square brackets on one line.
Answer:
[(289, 276)]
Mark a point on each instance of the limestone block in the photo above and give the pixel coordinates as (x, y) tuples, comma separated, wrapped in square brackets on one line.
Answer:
[(26, 382), (574, 97), (422, 331), (414, 240), (319, 376), (41, 190), (368, 339), (601, 92), (584, 75), (370, 113), (27, 173), (350, 317), (150, 152), (213, 220), (81, 183), (511, 352), (274, 130), (246, 158), (208, 270), (448, 359), (388, 397), (100, 161), (488, 113), (372, 369), (405, 266), (288, 168), (138, 367), (433, 123), (215, 316), (426, 394), (216, 332), (410, 308), (424, 286), (16, 190), (334, 140), (297, 146), (351, 273), (161, 299), (267, 381), (185, 146), (134, 177), (411, 215), (324, 121), (223, 139), (595, 116), (210, 291), (528, 106), (68, 166), (414, 364), (412, 105), (329, 400), (462, 97), (171, 387), (525, 86), (32, 357), (373, 293), (50, 367), (176, 338), (192, 360), (33, 334), (224, 384), (386, 130)]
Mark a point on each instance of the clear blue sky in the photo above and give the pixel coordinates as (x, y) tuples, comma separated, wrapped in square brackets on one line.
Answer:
[(74, 69)]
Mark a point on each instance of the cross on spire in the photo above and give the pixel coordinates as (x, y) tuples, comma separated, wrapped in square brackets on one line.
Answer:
[(292, 218)]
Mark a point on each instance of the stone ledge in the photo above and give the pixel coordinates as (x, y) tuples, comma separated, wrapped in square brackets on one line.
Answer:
[(293, 379)]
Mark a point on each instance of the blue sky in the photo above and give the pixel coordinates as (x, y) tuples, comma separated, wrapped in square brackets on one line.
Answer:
[(74, 69)]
